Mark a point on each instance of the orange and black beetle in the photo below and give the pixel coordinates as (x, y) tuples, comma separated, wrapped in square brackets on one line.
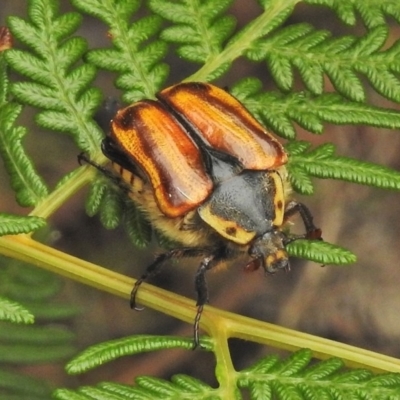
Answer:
[(207, 175)]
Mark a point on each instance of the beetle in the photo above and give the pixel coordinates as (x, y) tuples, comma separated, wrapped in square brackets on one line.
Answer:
[(208, 175)]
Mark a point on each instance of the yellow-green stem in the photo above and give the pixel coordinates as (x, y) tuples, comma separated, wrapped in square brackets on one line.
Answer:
[(23, 248)]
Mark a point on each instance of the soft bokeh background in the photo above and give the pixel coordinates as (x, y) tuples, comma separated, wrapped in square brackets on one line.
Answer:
[(357, 304)]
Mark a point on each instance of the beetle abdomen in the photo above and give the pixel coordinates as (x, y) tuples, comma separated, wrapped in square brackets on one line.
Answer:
[(189, 229)]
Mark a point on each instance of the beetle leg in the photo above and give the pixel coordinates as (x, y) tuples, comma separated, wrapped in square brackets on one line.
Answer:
[(312, 232), (206, 264), (153, 268)]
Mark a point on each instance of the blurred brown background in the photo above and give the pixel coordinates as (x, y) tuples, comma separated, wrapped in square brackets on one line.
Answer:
[(357, 304)]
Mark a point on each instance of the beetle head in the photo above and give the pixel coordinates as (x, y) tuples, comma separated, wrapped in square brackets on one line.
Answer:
[(268, 251)]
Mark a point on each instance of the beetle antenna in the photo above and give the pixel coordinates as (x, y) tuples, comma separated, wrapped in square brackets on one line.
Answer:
[(110, 175), (83, 158)]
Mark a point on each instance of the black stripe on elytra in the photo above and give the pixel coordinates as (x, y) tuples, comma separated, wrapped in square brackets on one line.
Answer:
[(241, 120), (206, 150)]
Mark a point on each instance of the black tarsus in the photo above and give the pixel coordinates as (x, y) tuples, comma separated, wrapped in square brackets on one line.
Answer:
[(209, 262), (196, 327), (202, 294)]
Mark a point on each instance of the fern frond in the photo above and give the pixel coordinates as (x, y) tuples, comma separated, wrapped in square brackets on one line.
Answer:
[(301, 181), (199, 28), (11, 333), (14, 386), (53, 311), (322, 163), (294, 379), (372, 12), (95, 197), (20, 344), (60, 89), (4, 81), (111, 209), (14, 224), (114, 207), (204, 36), (14, 312), (45, 285), (28, 186), (138, 62), (321, 252), (315, 52), (18, 280), (269, 378), (26, 353), (177, 387), (146, 388), (279, 111), (137, 226), (113, 349)]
